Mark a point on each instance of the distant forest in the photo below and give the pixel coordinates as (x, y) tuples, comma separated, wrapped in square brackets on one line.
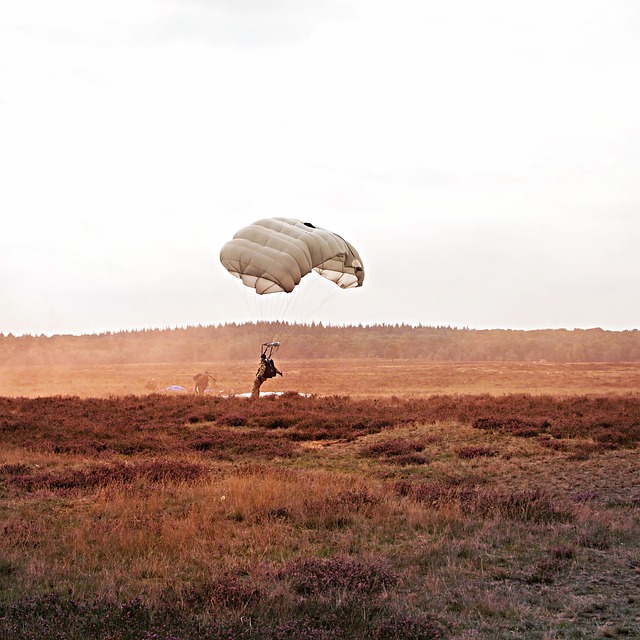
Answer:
[(241, 341)]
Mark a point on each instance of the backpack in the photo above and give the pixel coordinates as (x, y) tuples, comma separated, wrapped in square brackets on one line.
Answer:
[(270, 369)]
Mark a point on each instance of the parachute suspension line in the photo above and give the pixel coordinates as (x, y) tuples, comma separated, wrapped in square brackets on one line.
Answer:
[(279, 316), (266, 314), (258, 311), (274, 305), (288, 303), (247, 299), (313, 294)]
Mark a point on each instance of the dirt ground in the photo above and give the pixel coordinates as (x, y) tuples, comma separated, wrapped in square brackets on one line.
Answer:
[(358, 378)]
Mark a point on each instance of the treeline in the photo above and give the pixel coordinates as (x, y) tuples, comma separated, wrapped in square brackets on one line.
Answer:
[(240, 341)]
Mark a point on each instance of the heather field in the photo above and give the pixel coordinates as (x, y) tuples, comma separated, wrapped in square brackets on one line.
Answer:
[(441, 501)]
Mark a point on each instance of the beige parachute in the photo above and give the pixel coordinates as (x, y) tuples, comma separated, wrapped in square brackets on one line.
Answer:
[(274, 254)]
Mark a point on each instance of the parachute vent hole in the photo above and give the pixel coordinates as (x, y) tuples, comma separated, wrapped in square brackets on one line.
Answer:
[(308, 224)]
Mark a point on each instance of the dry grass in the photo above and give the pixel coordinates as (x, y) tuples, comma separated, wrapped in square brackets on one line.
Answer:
[(357, 378), (165, 518)]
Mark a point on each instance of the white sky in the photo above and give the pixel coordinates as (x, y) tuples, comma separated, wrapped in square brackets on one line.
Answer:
[(484, 157)]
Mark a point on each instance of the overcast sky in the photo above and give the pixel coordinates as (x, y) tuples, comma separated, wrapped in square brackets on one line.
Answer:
[(483, 157)]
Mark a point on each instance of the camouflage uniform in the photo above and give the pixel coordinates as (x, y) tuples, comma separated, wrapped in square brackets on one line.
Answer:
[(257, 383)]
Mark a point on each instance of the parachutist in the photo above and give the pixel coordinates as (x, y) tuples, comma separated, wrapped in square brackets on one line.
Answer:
[(266, 369)]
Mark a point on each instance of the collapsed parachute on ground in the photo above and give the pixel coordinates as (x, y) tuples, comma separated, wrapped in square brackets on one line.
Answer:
[(274, 254)]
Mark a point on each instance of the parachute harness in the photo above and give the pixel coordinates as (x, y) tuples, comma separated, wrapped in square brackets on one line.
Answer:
[(269, 348)]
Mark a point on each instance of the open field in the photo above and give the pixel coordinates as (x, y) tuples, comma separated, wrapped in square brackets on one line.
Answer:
[(361, 378), (451, 505)]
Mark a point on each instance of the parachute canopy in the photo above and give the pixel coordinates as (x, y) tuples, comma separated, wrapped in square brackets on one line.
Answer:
[(274, 254)]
